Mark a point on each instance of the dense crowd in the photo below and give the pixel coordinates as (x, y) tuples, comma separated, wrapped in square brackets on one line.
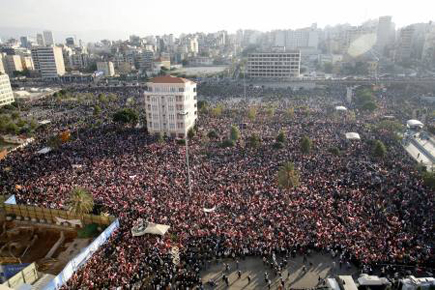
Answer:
[(370, 210)]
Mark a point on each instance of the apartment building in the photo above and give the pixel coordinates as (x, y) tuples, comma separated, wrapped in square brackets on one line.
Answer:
[(48, 61), (6, 94), (107, 68), (274, 64), (170, 105)]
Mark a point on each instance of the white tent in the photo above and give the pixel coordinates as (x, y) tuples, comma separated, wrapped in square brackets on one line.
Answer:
[(414, 124), (156, 229), (44, 150), (141, 228), (340, 108), (352, 136)]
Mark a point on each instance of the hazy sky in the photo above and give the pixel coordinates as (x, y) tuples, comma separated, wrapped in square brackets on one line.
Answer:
[(146, 17)]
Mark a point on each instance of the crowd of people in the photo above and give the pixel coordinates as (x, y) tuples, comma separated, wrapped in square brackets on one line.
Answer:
[(370, 210)]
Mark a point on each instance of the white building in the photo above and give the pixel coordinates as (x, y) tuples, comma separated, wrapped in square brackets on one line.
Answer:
[(274, 64), (170, 105), (48, 61), (6, 94), (48, 37), (107, 68)]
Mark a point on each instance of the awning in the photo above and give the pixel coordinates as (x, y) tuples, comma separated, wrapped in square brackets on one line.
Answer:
[(352, 136), (340, 108)]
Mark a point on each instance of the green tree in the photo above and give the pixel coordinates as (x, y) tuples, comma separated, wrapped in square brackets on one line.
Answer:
[(191, 133), (15, 115), (254, 141), (334, 151), (290, 112), (126, 116), (379, 149), (80, 201), (12, 128), (227, 143), (159, 137), (429, 179), (288, 176), (212, 134), (102, 98), (234, 133), (281, 137), (202, 105), (252, 113), (270, 111), (97, 110), (217, 111), (306, 145)]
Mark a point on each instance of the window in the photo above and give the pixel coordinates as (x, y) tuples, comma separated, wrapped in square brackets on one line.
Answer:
[(149, 107), (171, 117), (171, 108), (148, 98), (172, 126), (180, 125), (179, 98), (156, 125), (154, 108), (181, 90)]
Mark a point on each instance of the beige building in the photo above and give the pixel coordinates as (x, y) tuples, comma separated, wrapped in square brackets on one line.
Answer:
[(13, 63), (27, 62), (170, 105), (2, 64), (48, 61), (6, 94), (274, 64), (107, 68)]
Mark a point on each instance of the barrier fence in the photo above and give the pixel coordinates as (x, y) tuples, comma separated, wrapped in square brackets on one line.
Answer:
[(81, 258)]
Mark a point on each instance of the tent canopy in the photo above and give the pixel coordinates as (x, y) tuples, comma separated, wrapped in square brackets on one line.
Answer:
[(44, 122), (141, 228), (156, 229), (352, 136), (367, 280), (414, 124), (340, 108)]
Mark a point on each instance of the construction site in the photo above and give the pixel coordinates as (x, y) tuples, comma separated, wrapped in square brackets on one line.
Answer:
[(36, 244)]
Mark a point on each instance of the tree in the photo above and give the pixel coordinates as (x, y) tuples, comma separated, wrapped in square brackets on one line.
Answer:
[(15, 115), (102, 98), (227, 143), (429, 179), (202, 105), (234, 133), (252, 112), (12, 128), (217, 111), (191, 133), (80, 201), (379, 149), (270, 112), (334, 151), (288, 176), (254, 141), (159, 137), (97, 110), (281, 137), (306, 145), (291, 112), (212, 134), (126, 116)]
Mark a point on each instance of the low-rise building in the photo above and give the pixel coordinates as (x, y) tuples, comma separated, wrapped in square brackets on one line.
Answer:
[(170, 105)]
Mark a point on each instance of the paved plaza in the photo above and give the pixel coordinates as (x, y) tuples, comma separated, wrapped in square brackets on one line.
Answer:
[(294, 276)]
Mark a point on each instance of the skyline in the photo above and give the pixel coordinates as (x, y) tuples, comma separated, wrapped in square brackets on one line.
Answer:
[(115, 19)]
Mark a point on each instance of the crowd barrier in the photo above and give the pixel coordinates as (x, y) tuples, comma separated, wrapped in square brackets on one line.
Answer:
[(81, 258)]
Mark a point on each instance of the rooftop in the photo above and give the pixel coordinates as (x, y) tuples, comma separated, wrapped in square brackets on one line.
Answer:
[(169, 80)]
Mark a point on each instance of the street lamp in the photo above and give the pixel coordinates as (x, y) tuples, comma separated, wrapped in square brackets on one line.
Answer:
[(187, 156)]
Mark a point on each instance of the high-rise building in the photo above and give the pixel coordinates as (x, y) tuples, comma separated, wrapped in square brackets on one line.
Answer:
[(274, 64), (384, 33), (170, 105), (24, 41), (40, 39), (107, 68), (145, 59), (2, 63), (6, 94), (48, 37), (404, 48), (48, 61)]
